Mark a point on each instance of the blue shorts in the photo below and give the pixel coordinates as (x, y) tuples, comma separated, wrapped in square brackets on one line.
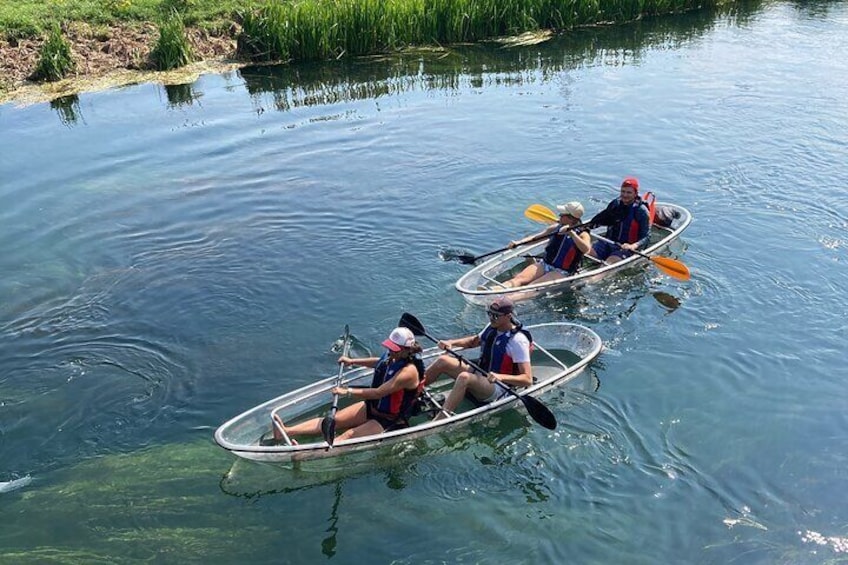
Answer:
[(548, 268), (604, 250), (499, 392)]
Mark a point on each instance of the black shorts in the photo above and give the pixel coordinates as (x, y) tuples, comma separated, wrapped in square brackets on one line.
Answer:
[(386, 422)]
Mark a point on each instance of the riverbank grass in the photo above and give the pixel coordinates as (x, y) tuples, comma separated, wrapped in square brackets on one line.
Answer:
[(55, 60), (320, 29), (172, 49)]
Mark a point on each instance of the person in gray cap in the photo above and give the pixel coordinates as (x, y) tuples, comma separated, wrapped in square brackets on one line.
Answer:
[(505, 356), (564, 251)]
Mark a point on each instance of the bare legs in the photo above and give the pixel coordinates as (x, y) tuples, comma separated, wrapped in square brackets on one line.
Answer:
[(464, 380), (534, 273), (353, 418)]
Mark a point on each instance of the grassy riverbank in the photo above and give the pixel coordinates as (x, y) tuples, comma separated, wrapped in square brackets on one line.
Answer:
[(103, 36)]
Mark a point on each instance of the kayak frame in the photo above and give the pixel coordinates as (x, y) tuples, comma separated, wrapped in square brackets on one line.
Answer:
[(486, 273), (241, 435)]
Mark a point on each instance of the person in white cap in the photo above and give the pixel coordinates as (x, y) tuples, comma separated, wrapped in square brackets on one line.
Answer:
[(505, 355), (386, 403), (564, 251)]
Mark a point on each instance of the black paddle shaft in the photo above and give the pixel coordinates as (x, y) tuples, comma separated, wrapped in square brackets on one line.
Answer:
[(328, 424), (468, 259), (535, 408)]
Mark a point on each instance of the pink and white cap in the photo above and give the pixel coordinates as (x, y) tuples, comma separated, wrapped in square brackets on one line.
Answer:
[(399, 338)]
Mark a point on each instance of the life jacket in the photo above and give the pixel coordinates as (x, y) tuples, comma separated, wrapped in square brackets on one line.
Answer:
[(562, 253), (626, 230), (398, 403), (494, 357), (650, 201)]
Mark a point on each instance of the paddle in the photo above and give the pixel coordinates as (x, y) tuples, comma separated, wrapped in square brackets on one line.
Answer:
[(667, 265), (535, 408), (468, 259), (532, 213), (328, 424)]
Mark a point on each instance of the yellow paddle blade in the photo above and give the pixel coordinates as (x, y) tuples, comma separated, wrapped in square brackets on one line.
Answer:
[(672, 267), (539, 213)]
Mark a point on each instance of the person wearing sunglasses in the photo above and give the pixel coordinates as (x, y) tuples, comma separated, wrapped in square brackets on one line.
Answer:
[(504, 355), (627, 222), (563, 253)]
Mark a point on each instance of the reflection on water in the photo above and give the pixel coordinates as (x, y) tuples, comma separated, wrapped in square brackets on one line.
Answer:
[(156, 283), (180, 94), (479, 66), (68, 109)]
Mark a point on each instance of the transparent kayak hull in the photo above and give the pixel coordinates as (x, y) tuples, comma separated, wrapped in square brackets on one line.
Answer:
[(480, 285), (562, 351)]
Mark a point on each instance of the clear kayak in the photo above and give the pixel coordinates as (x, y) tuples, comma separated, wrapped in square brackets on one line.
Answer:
[(561, 352), (481, 286)]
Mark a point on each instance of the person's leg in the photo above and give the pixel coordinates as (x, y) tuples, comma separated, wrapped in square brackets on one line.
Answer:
[(347, 417), (479, 386), (526, 276), (367, 428), (618, 255), (551, 275), (600, 250), (444, 365)]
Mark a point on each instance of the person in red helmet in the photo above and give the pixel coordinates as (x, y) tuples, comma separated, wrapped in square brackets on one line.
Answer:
[(627, 222)]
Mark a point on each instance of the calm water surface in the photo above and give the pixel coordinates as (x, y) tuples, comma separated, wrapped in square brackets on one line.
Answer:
[(174, 256)]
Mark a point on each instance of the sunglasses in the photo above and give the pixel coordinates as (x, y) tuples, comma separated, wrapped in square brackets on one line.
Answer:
[(495, 315)]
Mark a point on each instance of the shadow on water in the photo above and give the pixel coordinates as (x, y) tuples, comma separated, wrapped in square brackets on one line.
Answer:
[(251, 481)]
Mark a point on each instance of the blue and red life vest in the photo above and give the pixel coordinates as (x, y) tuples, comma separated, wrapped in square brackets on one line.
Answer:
[(399, 402), (629, 229), (494, 357), (562, 253)]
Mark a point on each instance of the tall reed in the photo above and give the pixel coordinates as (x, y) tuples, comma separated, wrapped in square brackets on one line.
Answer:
[(172, 49), (54, 60), (318, 29)]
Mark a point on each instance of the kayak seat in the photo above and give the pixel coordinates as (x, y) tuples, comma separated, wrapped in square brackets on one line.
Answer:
[(427, 404)]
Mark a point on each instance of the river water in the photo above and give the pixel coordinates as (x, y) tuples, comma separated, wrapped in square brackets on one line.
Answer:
[(173, 256)]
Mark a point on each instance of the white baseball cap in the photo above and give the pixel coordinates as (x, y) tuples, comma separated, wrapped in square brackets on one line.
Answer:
[(399, 338), (572, 208)]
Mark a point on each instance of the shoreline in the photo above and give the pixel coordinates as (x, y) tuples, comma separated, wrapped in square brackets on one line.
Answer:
[(108, 57)]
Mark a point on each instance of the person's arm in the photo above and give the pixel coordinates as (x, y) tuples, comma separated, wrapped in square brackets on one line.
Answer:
[(606, 217), (644, 229), (405, 379), (362, 361), (582, 240), (522, 379), (466, 342), (547, 231)]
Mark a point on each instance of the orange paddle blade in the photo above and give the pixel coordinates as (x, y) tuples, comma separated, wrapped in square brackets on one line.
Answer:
[(539, 213), (672, 267)]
